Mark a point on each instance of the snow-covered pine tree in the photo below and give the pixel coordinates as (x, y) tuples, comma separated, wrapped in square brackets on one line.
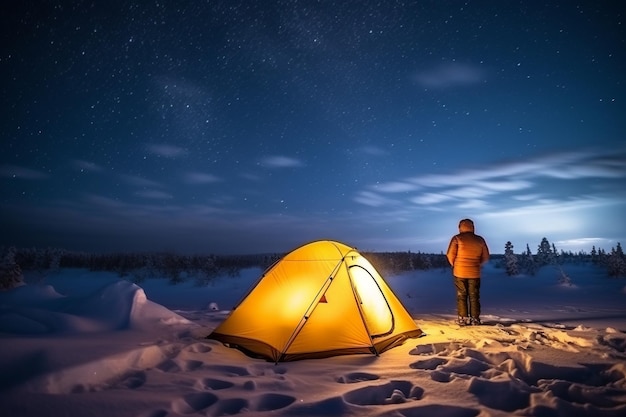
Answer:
[(544, 253), (594, 255), (426, 261), (528, 264), (555, 255), (602, 257), (10, 272), (55, 256), (616, 263), (510, 260)]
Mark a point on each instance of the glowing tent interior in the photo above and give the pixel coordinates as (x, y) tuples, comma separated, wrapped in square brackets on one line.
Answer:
[(322, 299)]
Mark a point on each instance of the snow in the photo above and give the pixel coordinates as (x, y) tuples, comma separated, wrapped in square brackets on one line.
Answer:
[(81, 343)]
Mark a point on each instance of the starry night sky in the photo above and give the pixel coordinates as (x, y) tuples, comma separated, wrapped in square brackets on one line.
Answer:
[(257, 126)]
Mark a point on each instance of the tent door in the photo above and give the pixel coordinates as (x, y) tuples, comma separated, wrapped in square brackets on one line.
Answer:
[(376, 310)]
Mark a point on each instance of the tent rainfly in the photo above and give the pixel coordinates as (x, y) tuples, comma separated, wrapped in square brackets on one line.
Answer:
[(322, 299)]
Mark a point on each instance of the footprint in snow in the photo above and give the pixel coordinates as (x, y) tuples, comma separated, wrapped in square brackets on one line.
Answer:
[(193, 403), (133, 379), (433, 410), (393, 392), (230, 407), (199, 348), (356, 377), (271, 401), (214, 384), (229, 370), (154, 413)]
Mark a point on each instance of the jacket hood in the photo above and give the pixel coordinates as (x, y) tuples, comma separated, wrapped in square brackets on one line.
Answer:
[(466, 225)]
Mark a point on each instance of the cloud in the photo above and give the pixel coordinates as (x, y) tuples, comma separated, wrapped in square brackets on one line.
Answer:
[(526, 197), (103, 202), (566, 165), (449, 75), (372, 199), (139, 182), (513, 185), (562, 219), (281, 162), (518, 175), (584, 242), (87, 166), (154, 194), (545, 183), (13, 171), (430, 198), (395, 187), (168, 151), (589, 171), (251, 177), (553, 206), (473, 204), (477, 190), (200, 178), (469, 192)]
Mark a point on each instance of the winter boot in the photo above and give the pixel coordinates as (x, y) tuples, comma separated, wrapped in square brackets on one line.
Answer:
[(462, 321), (475, 321)]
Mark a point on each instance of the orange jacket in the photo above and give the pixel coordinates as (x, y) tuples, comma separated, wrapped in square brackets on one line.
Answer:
[(467, 252)]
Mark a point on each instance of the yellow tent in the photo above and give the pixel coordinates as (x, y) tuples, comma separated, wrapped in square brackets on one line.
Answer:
[(322, 299)]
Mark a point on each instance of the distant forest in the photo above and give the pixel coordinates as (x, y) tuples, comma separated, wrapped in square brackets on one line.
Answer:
[(204, 268), (178, 266)]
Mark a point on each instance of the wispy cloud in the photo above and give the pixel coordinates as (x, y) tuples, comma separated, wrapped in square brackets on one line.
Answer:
[(278, 161), (547, 217), (473, 204), (499, 185), (430, 198), (372, 199), (103, 201), (154, 194), (555, 206), (13, 171), (139, 181), (168, 151), (395, 187), (449, 75), (200, 178), (569, 165), (586, 242), (250, 177), (87, 166), (526, 197), (512, 185)]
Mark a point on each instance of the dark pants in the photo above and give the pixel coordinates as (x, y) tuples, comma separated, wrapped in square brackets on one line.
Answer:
[(467, 289)]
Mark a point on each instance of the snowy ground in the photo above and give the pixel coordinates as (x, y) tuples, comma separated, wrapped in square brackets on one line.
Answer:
[(81, 343)]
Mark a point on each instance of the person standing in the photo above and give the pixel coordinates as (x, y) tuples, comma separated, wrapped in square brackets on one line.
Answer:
[(467, 252)]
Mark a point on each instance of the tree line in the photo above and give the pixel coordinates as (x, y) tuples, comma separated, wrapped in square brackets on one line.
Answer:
[(204, 268), (176, 267), (528, 262)]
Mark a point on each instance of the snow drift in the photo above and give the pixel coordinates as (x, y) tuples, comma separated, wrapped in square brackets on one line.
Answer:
[(91, 344)]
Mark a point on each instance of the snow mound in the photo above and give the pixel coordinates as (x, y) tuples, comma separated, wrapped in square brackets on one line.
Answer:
[(34, 309)]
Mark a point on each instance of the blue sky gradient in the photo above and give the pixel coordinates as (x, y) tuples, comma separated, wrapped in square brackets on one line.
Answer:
[(236, 127)]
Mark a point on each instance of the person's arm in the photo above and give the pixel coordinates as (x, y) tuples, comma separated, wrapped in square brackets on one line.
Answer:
[(485, 254), (452, 251)]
